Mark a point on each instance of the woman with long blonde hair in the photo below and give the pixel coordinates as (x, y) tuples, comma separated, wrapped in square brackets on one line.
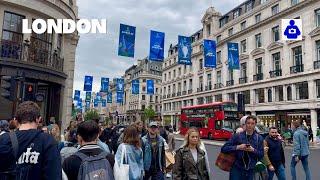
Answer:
[(190, 159)]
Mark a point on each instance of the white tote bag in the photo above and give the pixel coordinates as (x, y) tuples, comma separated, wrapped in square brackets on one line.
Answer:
[(121, 171)]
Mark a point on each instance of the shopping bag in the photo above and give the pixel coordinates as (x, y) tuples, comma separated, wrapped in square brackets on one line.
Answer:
[(121, 171), (169, 158), (225, 161)]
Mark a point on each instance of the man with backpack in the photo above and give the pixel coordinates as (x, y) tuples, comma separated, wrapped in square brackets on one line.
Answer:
[(90, 162), (29, 153)]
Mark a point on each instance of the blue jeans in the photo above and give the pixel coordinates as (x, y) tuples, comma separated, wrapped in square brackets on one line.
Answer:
[(239, 174), (304, 160), (280, 173), (154, 176)]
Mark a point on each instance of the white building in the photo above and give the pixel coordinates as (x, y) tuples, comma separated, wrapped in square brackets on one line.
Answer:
[(42, 65), (134, 104), (280, 79)]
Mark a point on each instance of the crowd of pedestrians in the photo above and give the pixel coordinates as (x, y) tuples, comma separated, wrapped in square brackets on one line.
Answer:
[(247, 156), (88, 150)]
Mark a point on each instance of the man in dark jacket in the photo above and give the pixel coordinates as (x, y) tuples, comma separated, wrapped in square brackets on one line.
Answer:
[(37, 156), (88, 132), (274, 155), (248, 149)]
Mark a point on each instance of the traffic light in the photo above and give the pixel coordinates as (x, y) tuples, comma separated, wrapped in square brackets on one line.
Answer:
[(8, 87), (29, 92)]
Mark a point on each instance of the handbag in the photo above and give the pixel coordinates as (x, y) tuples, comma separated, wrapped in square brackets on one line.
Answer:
[(225, 161), (259, 167), (121, 171)]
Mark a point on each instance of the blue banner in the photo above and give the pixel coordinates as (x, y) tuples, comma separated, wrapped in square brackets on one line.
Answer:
[(120, 85), (126, 40), (233, 56), (119, 97), (87, 104), (76, 95), (150, 86), (156, 52), (104, 84), (88, 83), (104, 102), (109, 97), (209, 47), (135, 86), (184, 50), (88, 96), (79, 104), (95, 102), (98, 97)]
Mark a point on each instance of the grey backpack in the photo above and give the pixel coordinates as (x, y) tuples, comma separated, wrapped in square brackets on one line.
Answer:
[(94, 167)]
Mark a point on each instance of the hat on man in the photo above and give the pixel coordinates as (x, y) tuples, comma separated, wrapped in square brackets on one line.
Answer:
[(243, 120), (153, 123)]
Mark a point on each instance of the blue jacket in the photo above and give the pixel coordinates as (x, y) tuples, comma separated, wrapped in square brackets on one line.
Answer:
[(300, 143), (134, 158), (147, 154), (255, 156)]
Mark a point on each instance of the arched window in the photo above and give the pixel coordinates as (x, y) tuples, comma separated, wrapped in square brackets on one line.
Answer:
[(269, 95), (289, 93)]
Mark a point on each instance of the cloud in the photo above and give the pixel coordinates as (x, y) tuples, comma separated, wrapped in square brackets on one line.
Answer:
[(96, 54)]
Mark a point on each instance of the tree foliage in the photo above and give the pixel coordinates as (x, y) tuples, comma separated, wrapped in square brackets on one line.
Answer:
[(149, 113), (91, 115)]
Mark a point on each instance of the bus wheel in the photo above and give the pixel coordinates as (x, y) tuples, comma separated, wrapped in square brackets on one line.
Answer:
[(210, 136)]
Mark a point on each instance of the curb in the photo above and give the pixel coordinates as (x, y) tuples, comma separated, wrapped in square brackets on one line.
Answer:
[(214, 143)]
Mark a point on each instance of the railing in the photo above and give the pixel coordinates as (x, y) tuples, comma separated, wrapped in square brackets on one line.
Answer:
[(230, 83), (24, 52), (168, 95), (200, 89), (316, 64), (208, 88), (173, 95), (296, 69), (275, 73), (164, 97), (258, 77), (218, 85), (243, 80), (178, 93), (184, 92), (189, 91)]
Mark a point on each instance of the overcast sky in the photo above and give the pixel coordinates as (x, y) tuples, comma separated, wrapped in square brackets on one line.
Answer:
[(97, 53)]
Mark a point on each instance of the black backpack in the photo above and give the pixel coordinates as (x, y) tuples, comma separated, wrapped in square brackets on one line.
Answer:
[(10, 174)]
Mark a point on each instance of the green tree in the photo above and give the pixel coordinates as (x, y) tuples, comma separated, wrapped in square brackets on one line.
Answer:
[(91, 114), (149, 113)]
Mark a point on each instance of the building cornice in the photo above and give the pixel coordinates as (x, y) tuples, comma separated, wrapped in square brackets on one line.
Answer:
[(257, 51), (255, 26), (275, 45)]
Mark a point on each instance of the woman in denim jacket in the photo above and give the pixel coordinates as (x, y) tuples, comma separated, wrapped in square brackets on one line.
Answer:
[(133, 157)]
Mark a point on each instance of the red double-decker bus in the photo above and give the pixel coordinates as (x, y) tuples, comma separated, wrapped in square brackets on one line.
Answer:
[(215, 120)]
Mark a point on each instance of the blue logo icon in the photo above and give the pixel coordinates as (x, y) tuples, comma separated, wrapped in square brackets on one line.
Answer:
[(292, 31)]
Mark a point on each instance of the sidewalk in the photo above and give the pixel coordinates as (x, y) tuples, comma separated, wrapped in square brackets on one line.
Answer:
[(221, 143)]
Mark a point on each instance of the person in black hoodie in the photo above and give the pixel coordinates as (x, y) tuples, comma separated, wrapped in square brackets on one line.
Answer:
[(35, 155)]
